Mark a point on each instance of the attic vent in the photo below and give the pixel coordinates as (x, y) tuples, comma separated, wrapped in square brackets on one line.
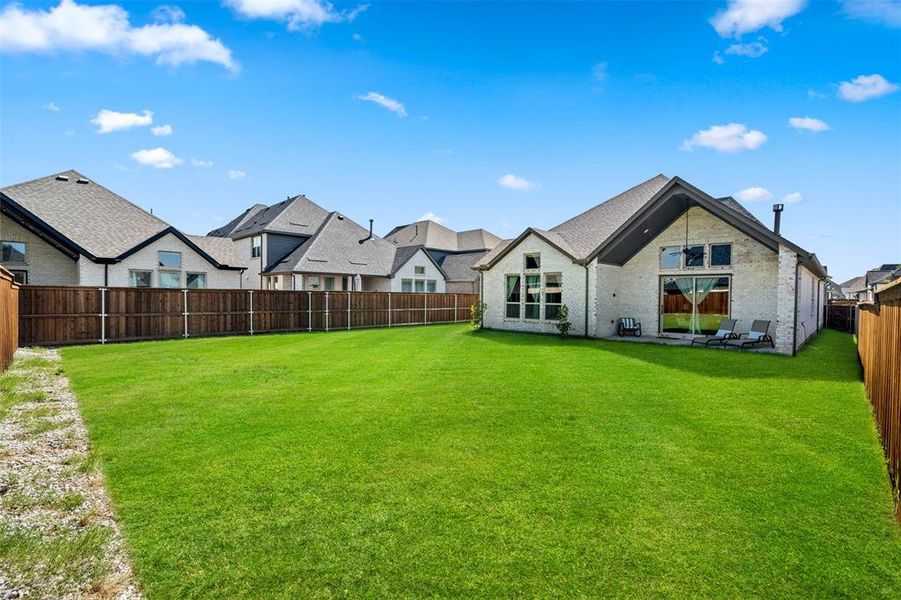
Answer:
[(322, 260), (357, 263), (62, 178), (298, 224), (340, 217), (82, 180)]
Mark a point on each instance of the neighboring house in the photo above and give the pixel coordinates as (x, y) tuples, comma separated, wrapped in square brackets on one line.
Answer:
[(863, 288), (454, 251), (834, 291), (664, 253), (298, 245), (854, 286), (66, 229)]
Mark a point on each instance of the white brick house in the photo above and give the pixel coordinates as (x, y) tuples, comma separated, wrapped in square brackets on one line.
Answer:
[(66, 229), (665, 253)]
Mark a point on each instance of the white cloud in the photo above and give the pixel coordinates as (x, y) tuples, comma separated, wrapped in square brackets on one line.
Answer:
[(158, 158), (887, 12), (745, 16), (430, 216), (110, 120), (298, 14), (808, 123), (865, 87), (754, 194), (515, 182), (811, 93), (718, 58), (752, 50), (203, 164), (357, 38), (69, 132), (51, 106), (792, 198), (599, 72), (162, 130), (732, 137), (166, 13), (385, 102), (105, 28), (235, 175)]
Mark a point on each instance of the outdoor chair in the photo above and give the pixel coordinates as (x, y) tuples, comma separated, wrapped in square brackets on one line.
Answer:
[(757, 336), (629, 326), (723, 334)]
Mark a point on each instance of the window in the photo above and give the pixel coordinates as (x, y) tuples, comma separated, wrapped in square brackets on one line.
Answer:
[(329, 284), (694, 305), (20, 277), (694, 256), (553, 295), (513, 295), (169, 260), (670, 257), (140, 279), (195, 280), (256, 246), (533, 261), (419, 270), (720, 255), (12, 252), (313, 282), (406, 285), (170, 279), (430, 286), (420, 285), (533, 297)]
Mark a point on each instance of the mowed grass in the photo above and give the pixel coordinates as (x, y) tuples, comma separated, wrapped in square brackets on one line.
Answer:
[(437, 461)]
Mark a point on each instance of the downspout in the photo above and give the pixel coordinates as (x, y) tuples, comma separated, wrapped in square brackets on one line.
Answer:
[(105, 274), (482, 298), (795, 316), (241, 279), (586, 299), (819, 308)]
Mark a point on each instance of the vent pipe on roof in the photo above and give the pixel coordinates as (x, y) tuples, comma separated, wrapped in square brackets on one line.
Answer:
[(369, 237), (777, 216)]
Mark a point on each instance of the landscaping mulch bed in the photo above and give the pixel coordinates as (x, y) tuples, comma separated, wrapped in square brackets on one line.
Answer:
[(58, 535)]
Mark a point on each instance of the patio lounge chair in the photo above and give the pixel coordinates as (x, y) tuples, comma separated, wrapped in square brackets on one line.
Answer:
[(630, 326), (756, 337), (724, 333)]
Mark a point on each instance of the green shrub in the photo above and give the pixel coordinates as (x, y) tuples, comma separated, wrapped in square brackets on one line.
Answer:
[(563, 325), (476, 314)]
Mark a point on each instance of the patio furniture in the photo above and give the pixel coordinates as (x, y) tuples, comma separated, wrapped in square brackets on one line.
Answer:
[(628, 325), (724, 333), (757, 336)]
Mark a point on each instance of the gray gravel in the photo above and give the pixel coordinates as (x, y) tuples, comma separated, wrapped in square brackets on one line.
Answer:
[(55, 515)]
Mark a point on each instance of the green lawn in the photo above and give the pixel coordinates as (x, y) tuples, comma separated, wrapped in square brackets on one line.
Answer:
[(440, 461)]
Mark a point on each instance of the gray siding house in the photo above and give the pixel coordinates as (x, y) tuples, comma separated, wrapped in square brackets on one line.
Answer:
[(664, 253), (66, 229)]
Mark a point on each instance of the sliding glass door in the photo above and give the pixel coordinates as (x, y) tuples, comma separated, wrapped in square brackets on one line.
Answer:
[(693, 305)]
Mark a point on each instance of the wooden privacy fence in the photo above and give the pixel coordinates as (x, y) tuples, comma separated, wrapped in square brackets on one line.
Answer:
[(9, 318), (841, 315), (879, 346), (54, 315)]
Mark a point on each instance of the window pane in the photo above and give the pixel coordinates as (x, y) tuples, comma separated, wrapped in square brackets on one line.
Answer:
[(533, 288), (553, 289), (694, 256), (406, 285), (512, 310), (513, 289), (721, 255), (329, 284), (169, 279), (551, 312), (670, 257), (420, 285), (196, 280), (256, 248), (170, 260), (430, 285), (532, 311), (13, 252), (533, 261), (139, 279), (20, 277), (419, 270)]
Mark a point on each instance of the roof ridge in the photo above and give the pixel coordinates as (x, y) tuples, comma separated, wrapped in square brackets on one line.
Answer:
[(41, 178), (611, 198)]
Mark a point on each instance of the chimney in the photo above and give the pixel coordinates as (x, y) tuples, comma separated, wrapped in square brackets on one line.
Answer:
[(777, 216)]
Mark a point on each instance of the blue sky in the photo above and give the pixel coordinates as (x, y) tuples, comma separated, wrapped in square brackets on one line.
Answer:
[(497, 115)]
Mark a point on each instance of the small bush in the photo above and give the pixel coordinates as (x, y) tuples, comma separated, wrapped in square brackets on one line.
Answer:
[(476, 314), (563, 325)]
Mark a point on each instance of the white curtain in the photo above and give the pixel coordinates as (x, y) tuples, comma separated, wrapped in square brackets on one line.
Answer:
[(703, 286)]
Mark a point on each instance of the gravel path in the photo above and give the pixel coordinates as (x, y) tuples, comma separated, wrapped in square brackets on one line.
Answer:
[(58, 535)]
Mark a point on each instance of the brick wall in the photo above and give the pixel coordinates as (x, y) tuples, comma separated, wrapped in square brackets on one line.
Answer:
[(45, 264)]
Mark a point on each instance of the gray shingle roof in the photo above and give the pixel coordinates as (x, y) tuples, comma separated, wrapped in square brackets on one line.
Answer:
[(336, 248), (458, 267), (402, 256), (298, 215), (435, 236), (220, 249), (103, 223)]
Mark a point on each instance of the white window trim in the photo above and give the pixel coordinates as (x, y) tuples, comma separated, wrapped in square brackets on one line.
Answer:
[(159, 262), (506, 303), (130, 271), (525, 257), (176, 272), (24, 261), (710, 254), (544, 292), (205, 279), (525, 292)]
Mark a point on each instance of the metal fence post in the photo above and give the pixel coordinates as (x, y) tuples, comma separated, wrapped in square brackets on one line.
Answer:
[(455, 308), (309, 311), (102, 315), (389, 309), (348, 310), (185, 313), (251, 311), (326, 311)]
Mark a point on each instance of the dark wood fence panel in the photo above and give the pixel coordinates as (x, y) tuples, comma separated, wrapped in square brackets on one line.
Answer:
[(57, 315), (879, 346), (841, 315), (9, 318)]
